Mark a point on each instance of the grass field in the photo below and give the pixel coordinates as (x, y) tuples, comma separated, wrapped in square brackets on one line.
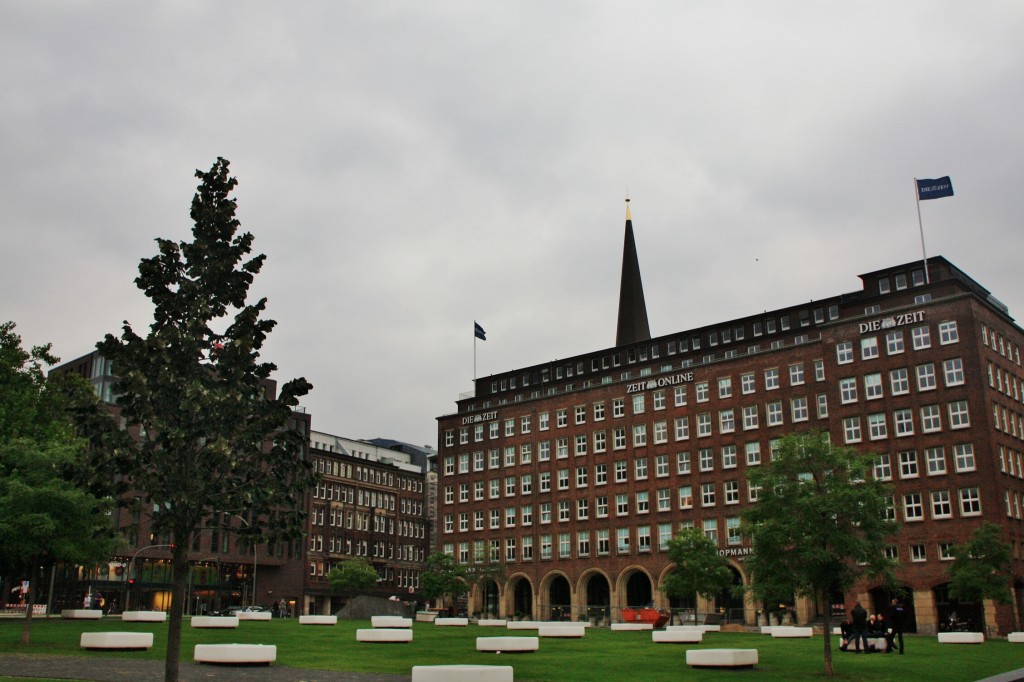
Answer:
[(602, 654)]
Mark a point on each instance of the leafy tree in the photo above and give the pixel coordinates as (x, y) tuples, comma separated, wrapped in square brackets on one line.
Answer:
[(212, 441), (443, 577), (819, 524), (352, 577), (699, 568), (48, 511), (981, 567)]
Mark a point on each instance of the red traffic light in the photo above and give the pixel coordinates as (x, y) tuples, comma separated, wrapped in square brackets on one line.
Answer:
[(131, 581)]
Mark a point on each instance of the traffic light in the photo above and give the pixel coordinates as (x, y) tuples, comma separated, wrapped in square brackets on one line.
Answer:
[(131, 582)]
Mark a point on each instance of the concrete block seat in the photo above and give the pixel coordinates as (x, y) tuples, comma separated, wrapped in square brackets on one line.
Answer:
[(254, 615), (1015, 637), (632, 626), (82, 614), (116, 640), (462, 673), (215, 621), (452, 622), (721, 658), (961, 638), (390, 622), (492, 622), (425, 616), (510, 645), (685, 628), (766, 629), (781, 631), (677, 636), (318, 620), (523, 624), (143, 617), (569, 630), (235, 654), (384, 635)]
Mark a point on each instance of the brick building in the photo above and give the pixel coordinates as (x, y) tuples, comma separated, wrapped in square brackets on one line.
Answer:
[(576, 473)]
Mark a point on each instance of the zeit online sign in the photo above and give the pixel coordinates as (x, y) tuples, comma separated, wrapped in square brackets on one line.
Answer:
[(660, 382), (892, 321)]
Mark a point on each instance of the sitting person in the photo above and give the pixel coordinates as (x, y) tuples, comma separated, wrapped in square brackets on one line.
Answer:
[(846, 631)]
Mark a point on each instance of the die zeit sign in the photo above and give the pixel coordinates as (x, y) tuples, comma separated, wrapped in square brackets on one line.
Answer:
[(660, 382), (482, 417), (893, 321)]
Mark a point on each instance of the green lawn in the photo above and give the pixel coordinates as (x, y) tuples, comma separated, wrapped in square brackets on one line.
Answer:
[(602, 653)]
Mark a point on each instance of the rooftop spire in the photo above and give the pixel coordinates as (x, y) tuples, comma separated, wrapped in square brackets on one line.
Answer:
[(632, 326)]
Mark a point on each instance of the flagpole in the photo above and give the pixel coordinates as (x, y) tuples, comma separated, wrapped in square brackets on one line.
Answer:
[(920, 227)]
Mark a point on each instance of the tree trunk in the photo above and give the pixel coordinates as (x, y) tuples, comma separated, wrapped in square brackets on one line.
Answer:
[(179, 573), (26, 630), (827, 635)]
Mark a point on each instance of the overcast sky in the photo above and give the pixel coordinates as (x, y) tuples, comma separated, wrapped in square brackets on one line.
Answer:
[(408, 167)]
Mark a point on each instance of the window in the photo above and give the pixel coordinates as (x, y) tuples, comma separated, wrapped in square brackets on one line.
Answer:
[(664, 535), (935, 458), (873, 386), (904, 422), (563, 479), (563, 511), (711, 529), (726, 421), (747, 383), (728, 456), (894, 342), (703, 424), (581, 477), (599, 412), (953, 371), (545, 512), (707, 495), (664, 499), (774, 411), (798, 409), (732, 530), (640, 468), (899, 384), (851, 430), (822, 406), (725, 387), (542, 421), (545, 546), (771, 379), (702, 392), (948, 333), (619, 436), (908, 464), (844, 352), (750, 417), (848, 390), (643, 502), (917, 553), (931, 419), (819, 370), (732, 492), (970, 501), (753, 450), (963, 457), (583, 543), (913, 509), (959, 418), (682, 425), (562, 448), (685, 497), (869, 348), (561, 418), (877, 429), (659, 400), (707, 459), (581, 414), (796, 374), (753, 492), (603, 542), (601, 506), (600, 441), (600, 474), (526, 515), (622, 540), (683, 463), (618, 407), (661, 431), (926, 377), (946, 551), (941, 507), (621, 471), (581, 444), (661, 466), (638, 403), (545, 481), (883, 468), (921, 337)]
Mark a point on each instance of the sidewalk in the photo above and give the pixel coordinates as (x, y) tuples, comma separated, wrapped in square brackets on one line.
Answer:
[(127, 670)]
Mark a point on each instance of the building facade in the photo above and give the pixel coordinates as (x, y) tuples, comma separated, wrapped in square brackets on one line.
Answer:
[(576, 473)]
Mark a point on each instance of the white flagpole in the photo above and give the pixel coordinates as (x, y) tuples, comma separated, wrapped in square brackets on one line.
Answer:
[(920, 227)]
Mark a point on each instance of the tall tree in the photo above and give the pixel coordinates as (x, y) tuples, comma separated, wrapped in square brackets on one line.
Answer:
[(982, 567), (443, 577), (213, 441), (819, 524), (352, 577), (49, 512), (699, 570)]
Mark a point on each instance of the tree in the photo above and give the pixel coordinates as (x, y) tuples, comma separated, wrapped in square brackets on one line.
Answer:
[(213, 441), (699, 568), (981, 567), (443, 577), (48, 511), (819, 524), (352, 577)]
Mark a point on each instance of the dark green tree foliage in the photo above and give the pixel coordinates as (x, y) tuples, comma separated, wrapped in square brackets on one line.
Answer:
[(443, 577), (212, 442), (981, 567), (699, 570), (352, 577), (49, 512), (819, 525)]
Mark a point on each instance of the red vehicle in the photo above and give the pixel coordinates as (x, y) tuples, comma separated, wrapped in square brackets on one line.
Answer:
[(645, 615)]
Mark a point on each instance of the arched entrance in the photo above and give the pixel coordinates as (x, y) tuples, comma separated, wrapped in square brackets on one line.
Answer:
[(730, 606), (559, 599), (522, 599), (599, 599), (489, 598), (638, 590), (881, 602), (954, 614)]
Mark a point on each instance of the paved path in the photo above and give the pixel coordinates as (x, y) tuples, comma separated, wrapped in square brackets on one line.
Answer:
[(128, 670)]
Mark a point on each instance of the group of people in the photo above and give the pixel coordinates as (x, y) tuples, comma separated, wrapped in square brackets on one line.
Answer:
[(860, 629)]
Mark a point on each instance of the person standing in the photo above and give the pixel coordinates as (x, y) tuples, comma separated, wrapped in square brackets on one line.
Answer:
[(897, 619), (859, 624)]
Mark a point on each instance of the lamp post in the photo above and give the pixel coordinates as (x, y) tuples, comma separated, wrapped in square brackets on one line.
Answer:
[(131, 562)]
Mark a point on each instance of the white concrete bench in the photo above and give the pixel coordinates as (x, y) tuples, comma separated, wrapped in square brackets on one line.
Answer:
[(462, 673), (523, 624), (318, 620), (452, 622), (721, 658), (116, 640), (677, 636), (1015, 637), (236, 654), (215, 621), (390, 622), (710, 628), (507, 644), (632, 626), (492, 622), (143, 617), (254, 615), (425, 616), (837, 631), (561, 630), (961, 638), (384, 635), (684, 628), (82, 614), (766, 629), (780, 631)]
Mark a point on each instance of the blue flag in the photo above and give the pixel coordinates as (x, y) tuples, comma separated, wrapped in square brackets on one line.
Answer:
[(479, 332), (934, 189)]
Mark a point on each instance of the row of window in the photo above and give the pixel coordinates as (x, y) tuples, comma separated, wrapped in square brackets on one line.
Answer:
[(925, 379), (365, 521), (1000, 344), (903, 422), (1007, 421), (380, 549), (401, 577), (1006, 382), (940, 504), (895, 344)]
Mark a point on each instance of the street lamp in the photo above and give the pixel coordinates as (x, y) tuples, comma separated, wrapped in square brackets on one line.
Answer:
[(131, 562)]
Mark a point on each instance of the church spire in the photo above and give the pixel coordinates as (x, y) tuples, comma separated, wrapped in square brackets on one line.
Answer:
[(632, 326)]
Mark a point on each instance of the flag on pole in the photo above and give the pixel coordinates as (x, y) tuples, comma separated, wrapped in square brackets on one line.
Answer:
[(479, 332), (934, 189)]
